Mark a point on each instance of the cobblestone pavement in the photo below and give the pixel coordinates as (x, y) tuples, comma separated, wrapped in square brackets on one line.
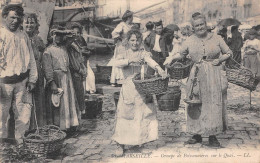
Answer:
[(240, 141)]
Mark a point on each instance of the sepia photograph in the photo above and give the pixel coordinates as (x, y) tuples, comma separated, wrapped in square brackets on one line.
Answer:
[(130, 81)]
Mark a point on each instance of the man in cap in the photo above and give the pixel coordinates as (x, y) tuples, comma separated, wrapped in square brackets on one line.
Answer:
[(155, 43), (18, 72)]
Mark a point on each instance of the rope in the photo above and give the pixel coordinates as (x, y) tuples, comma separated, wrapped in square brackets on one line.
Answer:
[(37, 127), (105, 25)]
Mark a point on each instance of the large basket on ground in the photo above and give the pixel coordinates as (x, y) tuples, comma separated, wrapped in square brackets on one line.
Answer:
[(181, 69), (152, 85), (44, 141), (242, 77)]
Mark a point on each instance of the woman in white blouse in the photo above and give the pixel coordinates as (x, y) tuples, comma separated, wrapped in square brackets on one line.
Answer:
[(136, 121), (119, 35)]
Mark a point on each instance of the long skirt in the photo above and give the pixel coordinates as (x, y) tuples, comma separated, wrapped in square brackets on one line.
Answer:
[(136, 121), (67, 114), (117, 72), (209, 118), (39, 101), (252, 62), (79, 90)]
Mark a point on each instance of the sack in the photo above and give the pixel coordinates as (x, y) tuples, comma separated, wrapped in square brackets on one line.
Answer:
[(90, 80)]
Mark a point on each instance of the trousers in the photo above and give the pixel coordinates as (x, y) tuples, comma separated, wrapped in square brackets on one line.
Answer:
[(15, 96)]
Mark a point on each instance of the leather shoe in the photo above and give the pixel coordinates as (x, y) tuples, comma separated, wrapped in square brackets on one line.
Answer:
[(195, 139), (213, 141)]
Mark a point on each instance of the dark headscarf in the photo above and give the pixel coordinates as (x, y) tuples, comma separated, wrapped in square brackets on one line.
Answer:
[(127, 14)]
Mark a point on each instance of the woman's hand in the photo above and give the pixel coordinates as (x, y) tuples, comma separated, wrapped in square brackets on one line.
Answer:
[(30, 86), (161, 72), (54, 88), (216, 62)]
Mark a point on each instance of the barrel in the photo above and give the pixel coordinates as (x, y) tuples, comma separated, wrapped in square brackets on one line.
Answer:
[(93, 104), (116, 97), (170, 101)]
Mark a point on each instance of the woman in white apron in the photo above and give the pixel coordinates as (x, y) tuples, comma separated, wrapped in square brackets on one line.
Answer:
[(119, 35)]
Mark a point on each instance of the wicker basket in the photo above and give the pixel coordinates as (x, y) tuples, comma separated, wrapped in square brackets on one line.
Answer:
[(154, 85), (242, 77), (181, 69), (49, 139)]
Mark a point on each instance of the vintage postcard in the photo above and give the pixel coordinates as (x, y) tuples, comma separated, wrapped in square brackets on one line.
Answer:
[(130, 81)]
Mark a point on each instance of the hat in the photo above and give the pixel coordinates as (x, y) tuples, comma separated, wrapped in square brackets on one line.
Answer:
[(56, 29), (74, 25), (55, 98), (158, 23), (10, 6), (172, 27), (252, 32), (127, 14)]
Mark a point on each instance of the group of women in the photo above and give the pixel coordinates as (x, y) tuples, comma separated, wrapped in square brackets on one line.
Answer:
[(136, 121), (59, 93)]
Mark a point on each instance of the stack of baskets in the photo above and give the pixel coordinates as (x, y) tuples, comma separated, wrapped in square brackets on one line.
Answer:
[(181, 69), (45, 140), (153, 85), (242, 77)]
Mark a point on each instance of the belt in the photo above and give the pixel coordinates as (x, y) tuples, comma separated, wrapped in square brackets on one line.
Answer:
[(15, 78)]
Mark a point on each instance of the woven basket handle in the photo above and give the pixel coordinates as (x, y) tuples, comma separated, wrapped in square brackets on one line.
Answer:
[(52, 127), (31, 136)]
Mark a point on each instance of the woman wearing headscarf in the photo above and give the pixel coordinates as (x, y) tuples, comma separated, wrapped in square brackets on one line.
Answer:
[(61, 103), (119, 35), (136, 121), (207, 98), (30, 26)]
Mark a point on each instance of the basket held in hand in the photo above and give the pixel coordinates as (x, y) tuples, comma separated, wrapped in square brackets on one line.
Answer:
[(242, 77), (181, 69), (154, 85)]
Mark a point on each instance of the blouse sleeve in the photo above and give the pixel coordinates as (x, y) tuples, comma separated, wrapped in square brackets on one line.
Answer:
[(224, 47), (148, 59), (47, 66), (184, 49), (117, 31), (32, 64)]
